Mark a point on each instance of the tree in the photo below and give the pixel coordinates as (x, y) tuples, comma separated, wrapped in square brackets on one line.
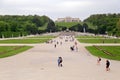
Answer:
[(74, 28), (14, 26), (77, 27), (118, 25), (64, 28), (31, 28), (118, 28), (4, 26), (85, 26), (25, 24), (51, 26), (44, 19), (104, 22), (36, 20)]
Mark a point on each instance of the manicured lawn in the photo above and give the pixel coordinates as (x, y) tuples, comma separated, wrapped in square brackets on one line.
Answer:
[(99, 40), (49, 37), (43, 27), (67, 24), (24, 41), (89, 37), (114, 52), (6, 51)]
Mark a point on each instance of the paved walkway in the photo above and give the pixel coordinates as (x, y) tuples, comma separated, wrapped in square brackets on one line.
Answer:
[(40, 63)]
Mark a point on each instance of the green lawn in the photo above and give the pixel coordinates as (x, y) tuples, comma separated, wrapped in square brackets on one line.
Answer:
[(91, 26), (24, 41), (67, 24), (43, 27), (49, 37), (89, 37), (99, 40), (114, 50), (6, 51)]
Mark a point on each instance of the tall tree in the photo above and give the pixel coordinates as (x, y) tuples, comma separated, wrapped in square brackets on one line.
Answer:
[(36, 20), (4, 26), (51, 26), (85, 27), (104, 22), (118, 28), (31, 28)]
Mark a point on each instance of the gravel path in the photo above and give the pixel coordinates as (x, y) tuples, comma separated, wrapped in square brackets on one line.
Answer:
[(40, 63)]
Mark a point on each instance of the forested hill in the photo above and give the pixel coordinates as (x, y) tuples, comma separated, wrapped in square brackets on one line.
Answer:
[(19, 25), (105, 23)]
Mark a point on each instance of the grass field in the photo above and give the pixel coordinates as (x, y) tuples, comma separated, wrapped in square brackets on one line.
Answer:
[(6, 51), (28, 40), (67, 24), (113, 50), (91, 26), (98, 40), (49, 37), (43, 27), (89, 37), (24, 41)]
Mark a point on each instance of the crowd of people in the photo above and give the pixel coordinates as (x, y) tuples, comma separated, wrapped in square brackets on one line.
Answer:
[(74, 47)]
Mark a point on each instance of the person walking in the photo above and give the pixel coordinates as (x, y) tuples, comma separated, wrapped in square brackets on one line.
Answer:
[(60, 62), (75, 43), (76, 49), (55, 45), (107, 65), (72, 48), (98, 60)]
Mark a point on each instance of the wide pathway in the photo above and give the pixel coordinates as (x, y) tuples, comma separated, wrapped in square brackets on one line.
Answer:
[(40, 63)]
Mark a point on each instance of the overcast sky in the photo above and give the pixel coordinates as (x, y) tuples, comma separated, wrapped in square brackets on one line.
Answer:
[(59, 8)]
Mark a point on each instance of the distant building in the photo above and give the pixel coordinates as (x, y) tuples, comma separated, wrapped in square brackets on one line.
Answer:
[(68, 19)]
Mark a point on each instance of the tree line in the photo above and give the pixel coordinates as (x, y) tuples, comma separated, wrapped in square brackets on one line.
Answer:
[(105, 23), (21, 25), (79, 27)]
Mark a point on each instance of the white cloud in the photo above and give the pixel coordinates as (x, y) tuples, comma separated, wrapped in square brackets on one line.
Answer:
[(59, 8), (76, 3)]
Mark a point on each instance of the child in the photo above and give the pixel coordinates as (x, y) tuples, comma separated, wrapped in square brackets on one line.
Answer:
[(98, 61)]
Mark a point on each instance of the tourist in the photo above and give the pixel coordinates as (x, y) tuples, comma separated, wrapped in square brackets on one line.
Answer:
[(72, 48), (76, 48), (57, 42), (55, 45), (60, 62), (98, 60), (75, 43), (107, 65)]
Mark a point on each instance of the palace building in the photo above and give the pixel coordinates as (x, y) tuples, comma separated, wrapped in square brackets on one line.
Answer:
[(68, 19)]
